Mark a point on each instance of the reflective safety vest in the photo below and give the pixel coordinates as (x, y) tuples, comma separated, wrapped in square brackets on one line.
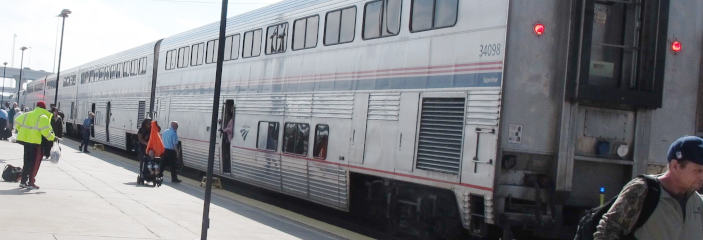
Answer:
[(31, 126)]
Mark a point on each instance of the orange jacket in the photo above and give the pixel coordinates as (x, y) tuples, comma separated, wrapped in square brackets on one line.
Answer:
[(155, 142)]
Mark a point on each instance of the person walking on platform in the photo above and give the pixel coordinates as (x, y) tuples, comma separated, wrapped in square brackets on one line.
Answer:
[(87, 126), (170, 140), (31, 127), (11, 114), (678, 213)]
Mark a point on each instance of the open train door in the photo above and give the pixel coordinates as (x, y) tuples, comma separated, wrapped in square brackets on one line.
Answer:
[(226, 135)]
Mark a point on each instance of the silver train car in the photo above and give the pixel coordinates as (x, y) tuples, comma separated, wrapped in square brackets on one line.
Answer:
[(430, 116)]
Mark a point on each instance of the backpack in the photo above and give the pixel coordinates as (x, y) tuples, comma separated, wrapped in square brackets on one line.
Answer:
[(588, 223), (11, 173)]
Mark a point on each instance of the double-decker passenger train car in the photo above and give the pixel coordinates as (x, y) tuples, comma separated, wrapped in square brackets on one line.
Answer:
[(429, 116)]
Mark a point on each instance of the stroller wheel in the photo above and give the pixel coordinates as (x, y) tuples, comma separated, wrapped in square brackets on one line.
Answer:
[(140, 181)]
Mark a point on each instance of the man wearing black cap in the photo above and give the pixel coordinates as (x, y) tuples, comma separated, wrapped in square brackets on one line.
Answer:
[(678, 214)]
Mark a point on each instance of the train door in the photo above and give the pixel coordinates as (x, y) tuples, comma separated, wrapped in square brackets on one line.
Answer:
[(226, 135), (107, 122), (92, 127), (359, 118)]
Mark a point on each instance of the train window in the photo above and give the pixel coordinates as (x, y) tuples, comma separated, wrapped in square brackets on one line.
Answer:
[(295, 138), (433, 14), (322, 133), (144, 64), (618, 59), (228, 48), (382, 18), (252, 44), (135, 67), (234, 52), (183, 54), (305, 32), (276, 37), (125, 70), (196, 56), (211, 52), (267, 137), (340, 26)]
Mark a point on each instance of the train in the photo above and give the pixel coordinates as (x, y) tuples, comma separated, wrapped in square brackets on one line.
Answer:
[(432, 117)]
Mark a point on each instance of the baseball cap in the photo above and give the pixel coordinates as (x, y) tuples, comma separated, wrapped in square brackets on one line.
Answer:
[(687, 148), (41, 104)]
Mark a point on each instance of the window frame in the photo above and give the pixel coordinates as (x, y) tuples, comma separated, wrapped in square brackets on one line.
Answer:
[(649, 65), (212, 56), (339, 33), (314, 145), (278, 135), (199, 54), (253, 34), (283, 148), (381, 23), (305, 35), (434, 11), (285, 41)]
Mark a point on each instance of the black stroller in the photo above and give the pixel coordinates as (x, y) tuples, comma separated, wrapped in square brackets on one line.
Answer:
[(149, 171)]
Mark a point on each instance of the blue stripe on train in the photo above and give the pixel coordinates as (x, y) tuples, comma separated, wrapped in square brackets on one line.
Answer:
[(492, 79)]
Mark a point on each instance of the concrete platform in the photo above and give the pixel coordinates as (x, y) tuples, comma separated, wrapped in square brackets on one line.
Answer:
[(94, 196)]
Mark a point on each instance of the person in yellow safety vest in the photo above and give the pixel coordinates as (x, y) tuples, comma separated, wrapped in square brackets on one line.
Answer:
[(31, 126)]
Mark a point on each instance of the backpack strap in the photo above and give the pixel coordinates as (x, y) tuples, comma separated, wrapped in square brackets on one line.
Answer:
[(650, 201)]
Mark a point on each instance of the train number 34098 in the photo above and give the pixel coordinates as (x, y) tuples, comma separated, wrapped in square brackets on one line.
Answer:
[(488, 50)]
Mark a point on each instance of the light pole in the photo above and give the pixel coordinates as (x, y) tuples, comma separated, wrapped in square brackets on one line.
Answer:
[(213, 123), (19, 83), (64, 14), (3, 83)]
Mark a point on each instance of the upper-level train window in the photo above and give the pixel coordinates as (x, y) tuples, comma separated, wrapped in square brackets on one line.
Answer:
[(340, 26), (232, 47), (113, 71), (211, 51), (276, 36), (183, 54), (433, 14), (125, 70), (305, 32), (382, 18), (135, 67), (144, 64), (119, 70), (197, 54), (322, 134), (295, 138), (618, 57), (251, 46), (267, 137)]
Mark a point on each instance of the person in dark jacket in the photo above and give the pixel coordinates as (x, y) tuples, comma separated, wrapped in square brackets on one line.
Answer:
[(143, 137), (87, 126), (57, 126), (57, 123)]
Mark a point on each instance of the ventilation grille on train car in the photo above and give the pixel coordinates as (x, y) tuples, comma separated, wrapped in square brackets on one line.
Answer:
[(140, 113), (441, 131)]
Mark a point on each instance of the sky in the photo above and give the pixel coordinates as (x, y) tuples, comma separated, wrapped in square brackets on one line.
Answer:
[(97, 28)]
